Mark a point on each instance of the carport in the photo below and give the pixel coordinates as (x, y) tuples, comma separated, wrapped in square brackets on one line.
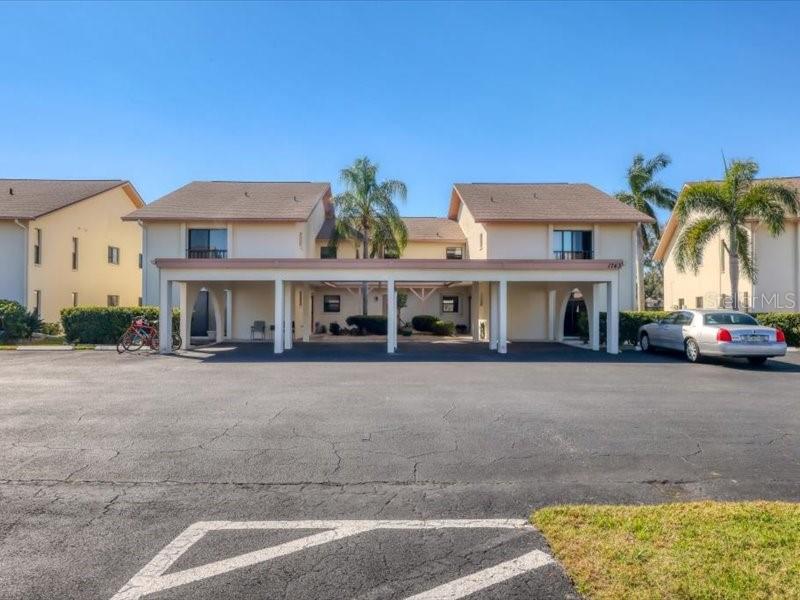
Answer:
[(275, 279)]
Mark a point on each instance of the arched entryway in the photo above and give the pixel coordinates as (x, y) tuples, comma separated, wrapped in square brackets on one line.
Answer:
[(576, 316)]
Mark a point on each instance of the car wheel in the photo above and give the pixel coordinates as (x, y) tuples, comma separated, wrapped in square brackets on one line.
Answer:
[(644, 343), (756, 360), (692, 350)]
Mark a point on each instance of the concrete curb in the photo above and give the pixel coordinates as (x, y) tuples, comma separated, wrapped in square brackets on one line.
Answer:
[(45, 348)]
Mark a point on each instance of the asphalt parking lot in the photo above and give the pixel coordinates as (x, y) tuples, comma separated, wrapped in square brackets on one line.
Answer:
[(262, 464)]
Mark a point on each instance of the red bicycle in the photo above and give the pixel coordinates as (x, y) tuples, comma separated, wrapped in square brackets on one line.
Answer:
[(142, 333)]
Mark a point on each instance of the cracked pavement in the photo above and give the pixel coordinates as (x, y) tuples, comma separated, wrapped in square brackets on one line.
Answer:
[(104, 459)]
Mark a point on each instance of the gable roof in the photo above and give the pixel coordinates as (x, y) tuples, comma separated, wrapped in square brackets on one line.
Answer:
[(541, 202), (420, 229), (33, 198), (671, 227), (237, 201)]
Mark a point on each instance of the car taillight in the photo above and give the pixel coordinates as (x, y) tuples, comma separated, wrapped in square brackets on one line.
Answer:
[(779, 335), (723, 335)]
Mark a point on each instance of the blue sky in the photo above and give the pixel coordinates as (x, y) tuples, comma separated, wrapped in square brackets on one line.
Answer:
[(162, 94)]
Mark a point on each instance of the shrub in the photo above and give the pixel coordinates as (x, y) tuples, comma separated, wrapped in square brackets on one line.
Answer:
[(630, 321), (789, 323), (406, 331), (374, 324), (461, 328), (14, 323), (106, 324), (443, 328), (334, 328), (51, 328), (423, 322)]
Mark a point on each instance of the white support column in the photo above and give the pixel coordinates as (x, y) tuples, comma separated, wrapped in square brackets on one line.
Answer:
[(552, 298), (228, 314), (391, 320), (278, 302), (288, 313), (502, 344), (594, 331), (475, 307), (612, 317), (186, 314), (164, 314), (219, 314), (307, 324), (493, 315)]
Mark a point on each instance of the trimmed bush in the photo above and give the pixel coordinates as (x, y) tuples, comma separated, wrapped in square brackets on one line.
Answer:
[(789, 323), (14, 321), (374, 324), (461, 328), (443, 328), (423, 322), (335, 328), (51, 328), (106, 324), (630, 321)]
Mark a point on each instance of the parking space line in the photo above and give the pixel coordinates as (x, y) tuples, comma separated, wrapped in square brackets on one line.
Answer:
[(487, 577), (151, 578)]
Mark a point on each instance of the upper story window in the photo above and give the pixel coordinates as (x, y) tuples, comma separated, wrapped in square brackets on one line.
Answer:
[(113, 255), (455, 253), (37, 247), (300, 239), (572, 245), (480, 241), (207, 243), (74, 254), (141, 260), (327, 252)]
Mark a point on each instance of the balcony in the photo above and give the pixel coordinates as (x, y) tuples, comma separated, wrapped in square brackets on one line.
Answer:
[(572, 254), (206, 253)]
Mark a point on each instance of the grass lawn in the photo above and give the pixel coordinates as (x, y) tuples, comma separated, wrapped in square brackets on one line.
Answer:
[(690, 550)]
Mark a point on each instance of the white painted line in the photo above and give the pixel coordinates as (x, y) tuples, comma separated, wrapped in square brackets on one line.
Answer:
[(151, 578), (485, 578)]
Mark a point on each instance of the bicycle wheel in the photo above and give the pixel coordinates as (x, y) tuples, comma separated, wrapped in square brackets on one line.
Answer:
[(154, 341), (132, 341)]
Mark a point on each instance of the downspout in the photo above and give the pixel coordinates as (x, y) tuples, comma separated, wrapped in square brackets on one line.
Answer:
[(27, 266), (144, 261)]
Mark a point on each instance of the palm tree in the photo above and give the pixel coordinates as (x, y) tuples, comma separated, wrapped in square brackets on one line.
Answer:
[(645, 194), (709, 208), (366, 214)]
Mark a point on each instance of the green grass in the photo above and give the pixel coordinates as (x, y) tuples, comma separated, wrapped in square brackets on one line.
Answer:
[(708, 550)]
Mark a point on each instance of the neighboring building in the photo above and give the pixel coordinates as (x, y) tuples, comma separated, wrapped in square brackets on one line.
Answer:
[(511, 262), (62, 244), (777, 287)]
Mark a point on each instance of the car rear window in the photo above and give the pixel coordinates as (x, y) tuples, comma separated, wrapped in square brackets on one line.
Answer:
[(728, 318)]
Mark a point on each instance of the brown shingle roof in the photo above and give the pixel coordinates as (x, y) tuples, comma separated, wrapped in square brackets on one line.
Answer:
[(236, 201), (550, 202), (32, 198), (420, 229)]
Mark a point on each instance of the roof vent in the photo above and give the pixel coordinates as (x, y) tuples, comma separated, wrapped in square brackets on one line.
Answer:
[(10, 191), (491, 198), (295, 198), (246, 193)]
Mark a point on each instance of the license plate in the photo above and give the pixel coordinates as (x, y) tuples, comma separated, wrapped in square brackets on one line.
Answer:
[(755, 339)]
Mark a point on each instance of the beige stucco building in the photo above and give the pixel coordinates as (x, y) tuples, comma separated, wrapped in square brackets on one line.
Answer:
[(63, 243), (777, 285), (510, 262)]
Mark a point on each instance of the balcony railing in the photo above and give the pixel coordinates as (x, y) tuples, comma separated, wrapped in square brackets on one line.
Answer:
[(206, 253), (572, 254)]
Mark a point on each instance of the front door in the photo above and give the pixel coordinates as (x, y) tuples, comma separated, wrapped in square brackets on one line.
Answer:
[(572, 318), (200, 315)]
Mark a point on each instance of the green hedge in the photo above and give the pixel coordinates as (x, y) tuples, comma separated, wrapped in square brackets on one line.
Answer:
[(106, 324), (423, 322), (788, 322), (443, 328), (14, 321), (374, 324)]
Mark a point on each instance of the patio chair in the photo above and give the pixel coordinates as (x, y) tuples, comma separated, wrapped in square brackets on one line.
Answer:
[(258, 328)]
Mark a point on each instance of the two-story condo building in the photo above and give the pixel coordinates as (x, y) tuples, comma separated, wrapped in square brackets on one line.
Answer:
[(777, 286), (62, 243), (509, 262)]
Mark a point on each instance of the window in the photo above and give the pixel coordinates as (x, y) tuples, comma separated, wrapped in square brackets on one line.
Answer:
[(681, 303), (698, 302), (74, 254), (141, 260), (112, 300), (572, 245), (745, 301), (37, 302), (456, 253), (140, 300), (113, 255), (331, 304), (449, 304), (728, 318), (327, 252), (480, 241), (208, 243), (74, 298), (391, 253), (684, 318), (300, 239), (37, 247)]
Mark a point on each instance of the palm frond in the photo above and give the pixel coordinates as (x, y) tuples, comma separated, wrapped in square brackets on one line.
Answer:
[(662, 196), (769, 202), (657, 163), (707, 197), (693, 240)]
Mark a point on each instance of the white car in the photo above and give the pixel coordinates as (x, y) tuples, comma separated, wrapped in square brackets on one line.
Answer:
[(714, 333)]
